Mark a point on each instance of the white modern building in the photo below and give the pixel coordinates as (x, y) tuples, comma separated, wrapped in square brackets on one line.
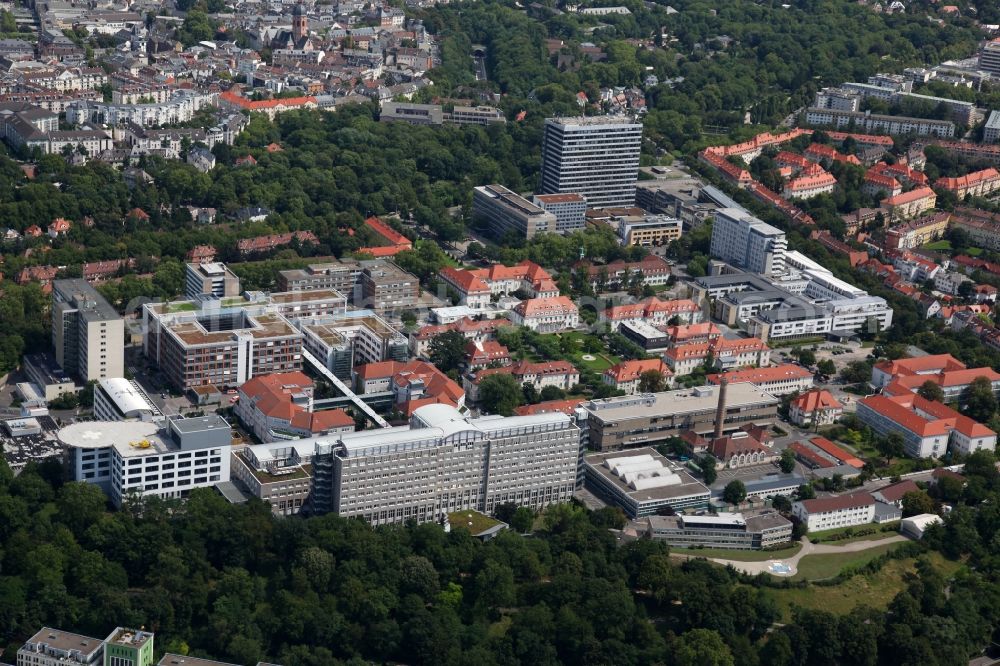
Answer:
[(166, 459), (595, 156), (723, 530), (55, 647), (747, 242), (120, 399), (443, 462), (832, 512)]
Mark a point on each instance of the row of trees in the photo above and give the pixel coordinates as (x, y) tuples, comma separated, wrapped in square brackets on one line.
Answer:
[(233, 582)]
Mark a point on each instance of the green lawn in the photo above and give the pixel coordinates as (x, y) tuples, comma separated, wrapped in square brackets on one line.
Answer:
[(973, 251), (824, 536), (602, 360), (181, 306), (939, 246), (819, 567), (874, 591), (473, 521), (740, 555)]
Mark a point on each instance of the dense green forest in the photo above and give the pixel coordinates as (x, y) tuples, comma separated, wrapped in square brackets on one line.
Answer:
[(233, 582)]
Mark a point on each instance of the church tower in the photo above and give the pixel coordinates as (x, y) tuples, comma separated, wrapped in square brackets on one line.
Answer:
[(300, 23)]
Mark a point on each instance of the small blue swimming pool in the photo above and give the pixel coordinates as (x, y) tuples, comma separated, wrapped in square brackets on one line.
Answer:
[(779, 568)]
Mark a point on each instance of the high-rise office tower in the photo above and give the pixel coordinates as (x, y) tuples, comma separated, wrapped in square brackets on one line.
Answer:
[(746, 242), (597, 157)]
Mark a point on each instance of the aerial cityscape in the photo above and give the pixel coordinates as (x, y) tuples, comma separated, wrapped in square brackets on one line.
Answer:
[(495, 332)]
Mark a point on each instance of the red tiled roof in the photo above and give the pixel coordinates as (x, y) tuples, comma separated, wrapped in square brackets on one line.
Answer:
[(317, 422), (390, 235), (968, 180), (683, 332), (627, 371), (844, 456), (810, 182), (245, 103), (553, 305), (810, 401), (815, 460), (923, 417), (920, 365), (467, 282), (549, 406), (274, 240), (202, 252), (762, 375), (523, 368), (909, 197), (380, 370), (869, 139), (716, 347)]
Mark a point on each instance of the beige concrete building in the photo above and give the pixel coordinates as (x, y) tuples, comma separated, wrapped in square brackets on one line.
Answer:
[(640, 420), (225, 342), (87, 333), (213, 278), (385, 287), (505, 211)]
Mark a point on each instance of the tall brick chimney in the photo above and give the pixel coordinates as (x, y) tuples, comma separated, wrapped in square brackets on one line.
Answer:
[(720, 410)]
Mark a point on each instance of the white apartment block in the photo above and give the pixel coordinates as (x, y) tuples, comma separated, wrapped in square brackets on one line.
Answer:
[(880, 124), (595, 156), (991, 131), (445, 462), (838, 99), (180, 108), (54, 647), (834, 512), (747, 242)]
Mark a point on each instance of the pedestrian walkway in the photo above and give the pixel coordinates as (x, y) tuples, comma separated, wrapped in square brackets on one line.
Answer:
[(789, 567)]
